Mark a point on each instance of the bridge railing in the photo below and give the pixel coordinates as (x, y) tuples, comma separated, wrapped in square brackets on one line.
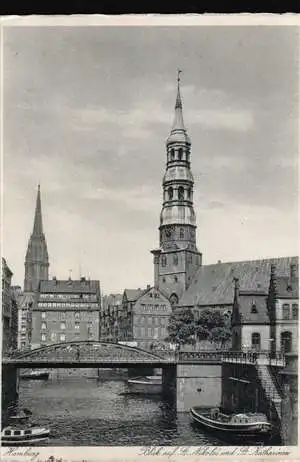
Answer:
[(254, 357), (201, 356)]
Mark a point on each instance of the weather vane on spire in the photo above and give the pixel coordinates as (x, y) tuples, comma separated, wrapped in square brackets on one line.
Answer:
[(178, 74)]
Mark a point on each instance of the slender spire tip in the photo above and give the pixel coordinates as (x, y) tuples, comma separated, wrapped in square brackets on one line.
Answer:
[(178, 97)]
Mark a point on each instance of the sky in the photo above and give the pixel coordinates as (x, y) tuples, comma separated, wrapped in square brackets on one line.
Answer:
[(86, 113)]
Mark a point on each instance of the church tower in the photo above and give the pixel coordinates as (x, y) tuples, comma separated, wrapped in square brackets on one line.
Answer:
[(177, 259), (36, 260)]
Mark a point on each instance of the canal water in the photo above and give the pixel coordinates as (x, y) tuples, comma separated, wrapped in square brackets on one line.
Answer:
[(86, 412)]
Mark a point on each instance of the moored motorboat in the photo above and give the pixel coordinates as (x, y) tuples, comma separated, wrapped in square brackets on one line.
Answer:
[(241, 424), (20, 432), (35, 375), (14, 436), (151, 385)]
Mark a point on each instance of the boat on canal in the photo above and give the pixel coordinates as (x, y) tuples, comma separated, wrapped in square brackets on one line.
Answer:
[(40, 374), (21, 432), (148, 385), (240, 425)]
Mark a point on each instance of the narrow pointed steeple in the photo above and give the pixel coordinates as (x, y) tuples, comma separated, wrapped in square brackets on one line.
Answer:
[(36, 260), (38, 222), (178, 131)]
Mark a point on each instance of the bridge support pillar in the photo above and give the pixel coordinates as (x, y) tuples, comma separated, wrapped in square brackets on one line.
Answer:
[(10, 388), (198, 385), (169, 384)]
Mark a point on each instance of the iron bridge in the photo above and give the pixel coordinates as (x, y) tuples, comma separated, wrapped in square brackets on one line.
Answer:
[(107, 354), (82, 354)]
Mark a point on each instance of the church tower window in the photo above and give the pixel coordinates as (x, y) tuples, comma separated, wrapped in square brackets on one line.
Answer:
[(180, 153), (170, 193), (181, 233), (175, 260), (175, 279), (189, 193), (172, 154), (163, 260), (180, 193)]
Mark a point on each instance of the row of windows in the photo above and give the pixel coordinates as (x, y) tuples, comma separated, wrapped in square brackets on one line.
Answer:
[(181, 193), (150, 320), (71, 305), (150, 307), (165, 258), (290, 311), (152, 332), (54, 337), (285, 341), (179, 154), (63, 325), (77, 315), (69, 296)]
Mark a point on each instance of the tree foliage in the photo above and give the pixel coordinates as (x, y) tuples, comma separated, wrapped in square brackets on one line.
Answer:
[(214, 326), (181, 327)]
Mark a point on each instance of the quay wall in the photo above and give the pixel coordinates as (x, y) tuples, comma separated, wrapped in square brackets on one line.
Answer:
[(9, 390), (198, 385), (289, 409)]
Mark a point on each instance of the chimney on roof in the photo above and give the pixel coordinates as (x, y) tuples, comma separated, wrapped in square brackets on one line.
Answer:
[(219, 261), (148, 286), (293, 272), (82, 279)]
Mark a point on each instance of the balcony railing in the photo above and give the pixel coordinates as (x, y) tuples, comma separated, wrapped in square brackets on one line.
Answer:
[(254, 357)]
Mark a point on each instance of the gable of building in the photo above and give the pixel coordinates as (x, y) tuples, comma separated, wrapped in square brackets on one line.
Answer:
[(153, 301)]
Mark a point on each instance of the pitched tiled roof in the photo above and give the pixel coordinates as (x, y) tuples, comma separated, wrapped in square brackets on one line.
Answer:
[(133, 294), (286, 288), (247, 302), (69, 286), (213, 284)]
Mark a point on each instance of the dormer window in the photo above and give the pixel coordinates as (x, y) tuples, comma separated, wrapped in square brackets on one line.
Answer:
[(253, 308)]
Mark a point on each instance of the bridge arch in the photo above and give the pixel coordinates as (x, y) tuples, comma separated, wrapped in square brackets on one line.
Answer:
[(87, 350)]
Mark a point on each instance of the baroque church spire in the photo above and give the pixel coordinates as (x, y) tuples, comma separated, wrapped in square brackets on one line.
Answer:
[(36, 260), (178, 258), (178, 131)]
